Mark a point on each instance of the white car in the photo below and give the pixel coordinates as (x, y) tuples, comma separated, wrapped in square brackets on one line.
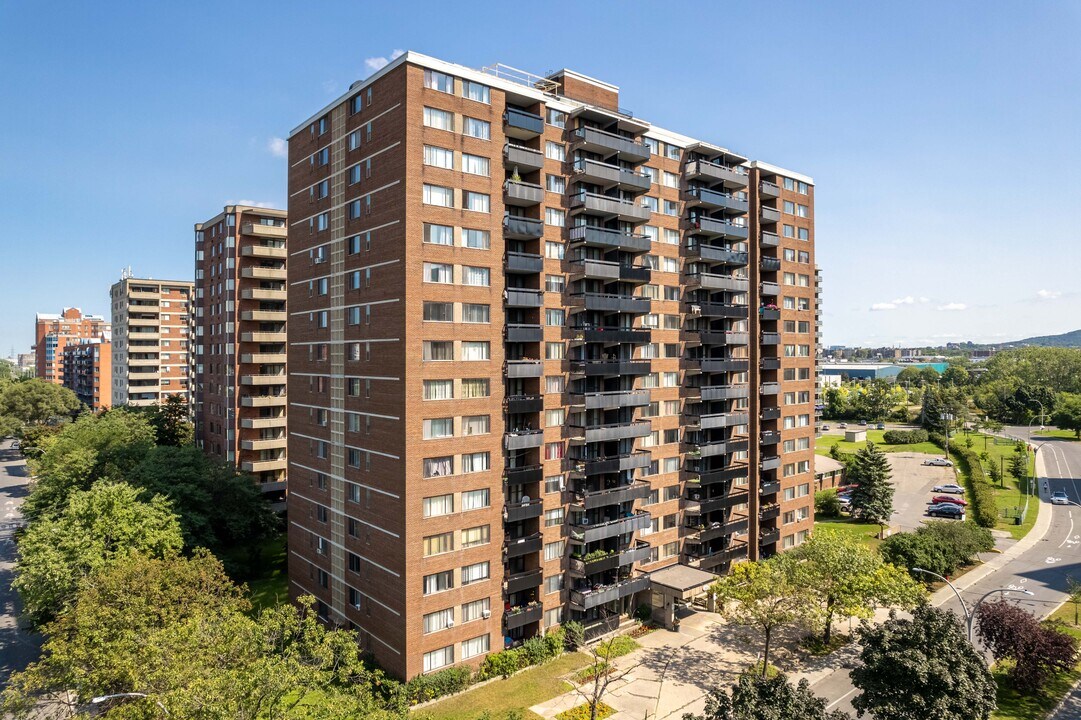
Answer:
[(950, 489), (1060, 498), (939, 462)]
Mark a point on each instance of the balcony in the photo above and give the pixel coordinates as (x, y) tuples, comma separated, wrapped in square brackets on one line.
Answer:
[(731, 176), (521, 157), (723, 365), (524, 369), (519, 404), (521, 123), (770, 215), (605, 270), (722, 337), (769, 239), (593, 368), (613, 528), (718, 310), (583, 600), (724, 392), (254, 466), (769, 190), (770, 265), (580, 567), (769, 313), (263, 294), (524, 333), (523, 440), (769, 537), (143, 373), (263, 401), (517, 582), (769, 512), (609, 207), (144, 295), (523, 298), (516, 512), (263, 337), (263, 273), (617, 463), (612, 431), (709, 421), (522, 194), (279, 232), (590, 500), (264, 315), (272, 444), (605, 302), (521, 616), (770, 438), (611, 400), (261, 423), (143, 321), (606, 144), (517, 547), (264, 379), (608, 176), (522, 475), (769, 388), (714, 200), (769, 462), (134, 337), (717, 254), (770, 413), (609, 239), (522, 228), (726, 475), (712, 227), (771, 338), (710, 281), (523, 263), (770, 289), (265, 251), (712, 558), (714, 530), (712, 448), (263, 358)]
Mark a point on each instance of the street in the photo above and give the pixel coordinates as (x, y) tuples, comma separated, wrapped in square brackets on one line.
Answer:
[(17, 647)]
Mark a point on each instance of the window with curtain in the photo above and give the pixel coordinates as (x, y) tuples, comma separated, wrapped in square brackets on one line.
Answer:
[(438, 350), (475, 462), (438, 544), (477, 202), (438, 658), (438, 273), (478, 276), (475, 610), (476, 313), (476, 425), (475, 646), (439, 505), (438, 234), (438, 466), (438, 582), (477, 128), (438, 312), (475, 165), (554, 383), (438, 390), (476, 239), (442, 82), (438, 620), (475, 572), (475, 388), (476, 350), (438, 428), (476, 499), (438, 157), (472, 537), (439, 119), (438, 195)]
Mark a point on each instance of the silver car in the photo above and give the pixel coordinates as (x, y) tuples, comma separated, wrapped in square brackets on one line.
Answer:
[(1059, 497)]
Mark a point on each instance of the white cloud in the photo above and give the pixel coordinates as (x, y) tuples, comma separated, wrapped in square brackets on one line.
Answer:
[(378, 63), (877, 307), (1048, 294), (953, 306), (251, 203), (278, 147), (898, 302)]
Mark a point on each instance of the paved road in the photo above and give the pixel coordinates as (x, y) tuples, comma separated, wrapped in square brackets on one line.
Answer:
[(1042, 569), (17, 647)]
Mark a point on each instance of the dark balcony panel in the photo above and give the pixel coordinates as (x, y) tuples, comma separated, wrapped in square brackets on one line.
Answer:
[(593, 368), (521, 157), (608, 238), (770, 438), (724, 392), (770, 462), (516, 512), (714, 199), (769, 190), (635, 273), (522, 228), (710, 421), (712, 531), (770, 487), (517, 547), (769, 537), (612, 335), (524, 369), (607, 175), (771, 264), (769, 313), (728, 474), (769, 512), (710, 365), (518, 404), (609, 207), (723, 337), (770, 239), (521, 123), (771, 413), (523, 475), (522, 616), (523, 581), (523, 263), (613, 528), (711, 281), (717, 254), (610, 303), (707, 559), (524, 333), (607, 144), (523, 440), (586, 599), (581, 567), (612, 399), (731, 176), (771, 338), (524, 298), (718, 310), (713, 227), (771, 289), (769, 388), (618, 463), (770, 363), (770, 215), (612, 496), (612, 432), (522, 194)]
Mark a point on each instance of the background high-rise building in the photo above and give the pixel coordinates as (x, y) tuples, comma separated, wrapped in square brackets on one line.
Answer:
[(88, 370), (53, 332), (539, 349), (239, 322), (150, 340)]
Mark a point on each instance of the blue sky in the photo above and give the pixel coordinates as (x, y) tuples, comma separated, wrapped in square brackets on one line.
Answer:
[(943, 137)]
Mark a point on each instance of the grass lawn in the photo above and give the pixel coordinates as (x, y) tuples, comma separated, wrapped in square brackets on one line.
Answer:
[(1008, 497), (1064, 434), (270, 586), (824, 443), (865, 532), (519, 692)]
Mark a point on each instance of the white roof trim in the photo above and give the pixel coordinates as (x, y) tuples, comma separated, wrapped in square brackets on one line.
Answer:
[(781, 171)]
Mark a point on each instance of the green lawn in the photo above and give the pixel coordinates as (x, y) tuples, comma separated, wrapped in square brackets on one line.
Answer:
[(866, 532), (270, 586), (1008, 496), (824, 443), (1064, 434), (519, 692)]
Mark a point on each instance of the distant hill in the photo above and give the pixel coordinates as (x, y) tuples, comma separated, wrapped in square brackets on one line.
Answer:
[(1070, 339)]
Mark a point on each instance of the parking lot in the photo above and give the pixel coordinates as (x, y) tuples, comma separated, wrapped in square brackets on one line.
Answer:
[(913, 482)]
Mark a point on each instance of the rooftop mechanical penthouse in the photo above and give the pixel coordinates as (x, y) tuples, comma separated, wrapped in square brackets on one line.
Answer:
[(538, 350)]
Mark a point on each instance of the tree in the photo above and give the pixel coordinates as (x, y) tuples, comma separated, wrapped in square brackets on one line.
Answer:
[(1038, 650), (1057, 368), (939, 546), (1067, 413), (994, 473), (1019, 464), (954, 376), (170, 422), (766, 698), (921, 668), (96, 528), (872, 497), (764, 595), (844, 578), (1073, 587), (603, 676), (178, 630), (35, 401)]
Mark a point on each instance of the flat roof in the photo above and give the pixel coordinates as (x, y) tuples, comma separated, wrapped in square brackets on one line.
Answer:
[(681, 577), (827, 464)]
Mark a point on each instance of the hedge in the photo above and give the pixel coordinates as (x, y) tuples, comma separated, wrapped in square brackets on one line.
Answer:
[(904, 437), (983, 507), (938, 546)]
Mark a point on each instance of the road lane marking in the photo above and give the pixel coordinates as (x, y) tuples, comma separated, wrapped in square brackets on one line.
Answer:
[(1070, 533), (840, 699)]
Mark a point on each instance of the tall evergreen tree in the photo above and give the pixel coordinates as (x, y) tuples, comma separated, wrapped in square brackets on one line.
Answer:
[(872, 498)]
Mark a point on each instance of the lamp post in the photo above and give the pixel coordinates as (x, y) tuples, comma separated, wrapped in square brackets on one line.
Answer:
[(970, 615), (116, 696)]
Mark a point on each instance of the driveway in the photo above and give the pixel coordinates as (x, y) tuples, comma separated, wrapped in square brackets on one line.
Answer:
[(17, 647)]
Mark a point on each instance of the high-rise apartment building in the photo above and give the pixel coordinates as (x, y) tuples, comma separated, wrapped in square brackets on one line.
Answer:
[(239, 342), (539, 348), (53, 332), (88, 371), (150, 340)]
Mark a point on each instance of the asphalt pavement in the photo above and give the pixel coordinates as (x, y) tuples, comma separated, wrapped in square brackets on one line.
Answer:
[(17, 646)]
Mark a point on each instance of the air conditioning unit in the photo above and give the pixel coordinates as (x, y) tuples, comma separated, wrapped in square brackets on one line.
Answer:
[(486, 614), (450, 623)]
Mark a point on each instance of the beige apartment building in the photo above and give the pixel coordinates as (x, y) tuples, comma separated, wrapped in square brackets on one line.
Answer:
[(150, 321), (539, 349), (239, 361)]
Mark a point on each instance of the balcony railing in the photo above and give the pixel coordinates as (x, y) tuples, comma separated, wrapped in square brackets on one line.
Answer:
[(713, 530), (590, 500), (606, 302), (515, 512), (517, 582), (613, 431), (771, 264), (721, 310), (522, 194), (522, 123), (601, 531), (524, 333), (724, 392), (769, 313), (769, 190), (608, 238), (771, 289), (524, 369), (771, 413), (626, 210), (608, 175), (582, 567), (522, 228), (714, 199), (518, 404), (770, 438), (716, 254), (770, 462), (730, 175), (516, 547), (586, 599), (711, 281), (713, 227), (606, 270), (770, 215), (524, 298), (607, 144), (707, 558), (523, 475), (612, 464), (769, 537), (526, 263), (611, 335), (521, 616), (769, 388), (709, 421), (769, 239), (522, 157), (523, 440), (612, 399), (592, 368), (769, 512), (771, 338)]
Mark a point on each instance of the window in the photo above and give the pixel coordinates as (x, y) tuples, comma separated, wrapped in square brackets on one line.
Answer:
[(553, 617), (554, 383), (476, 499), (553, 583), (554, 283), (555, 217), (438, 505), (554, 317), (804, 234), (438, 157), (671, 151), (553, 451), (476, 350), (555, 151), (475, 165), (555, 183), (671, 237), (474, 647), (439, 466), (477, 128), (439, 273), (438, 544), (671, 179), (553, 517), (439, 620), (438, 81), (475, 388), (651, 203), (553, 351), (553, 250), (476, 239), (475, 462), (475, 313), (438, 428), (671, 207), (554, 550), (479, 276), (438, 582), (557, 118), (472, 537), (438, 658), (477, 202), (438, 234), (440, 311), (475, 610), (438, 195), (438, 389), (555, 417), (476, 91), (475, 573), (440, 119), (476, 425)]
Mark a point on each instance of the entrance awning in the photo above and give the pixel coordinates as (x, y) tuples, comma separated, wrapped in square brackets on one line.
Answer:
[(681, 581)]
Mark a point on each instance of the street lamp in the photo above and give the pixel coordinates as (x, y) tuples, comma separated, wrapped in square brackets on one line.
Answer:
[(115, 696), (970, 615)]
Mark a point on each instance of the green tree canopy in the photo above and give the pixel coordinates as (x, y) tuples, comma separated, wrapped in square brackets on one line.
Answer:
[(170, 421), (766, 698), (869, 471), (96, 528), (1057, 368), (922, 668), (36, 401), (1067, 413)]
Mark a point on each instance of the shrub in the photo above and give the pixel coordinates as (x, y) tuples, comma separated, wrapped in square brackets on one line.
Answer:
[(554, 641), (941, 547), (574, 634), (618, 646), (827, 504), (586, 674), (533, 651), (582, 712), (904, 437), (444, 682), (501, 664), (643, 612)]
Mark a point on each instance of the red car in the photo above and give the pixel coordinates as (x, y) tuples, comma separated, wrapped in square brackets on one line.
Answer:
[(949, 498)]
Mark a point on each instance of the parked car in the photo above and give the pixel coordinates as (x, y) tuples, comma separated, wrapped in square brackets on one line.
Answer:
[(845, 500), (1059, 497), (843, 426), (16, 446), (939, 462), (880, 426), (825, 427), (949, 510), (951, 488), (949, 499), (863, 423)]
